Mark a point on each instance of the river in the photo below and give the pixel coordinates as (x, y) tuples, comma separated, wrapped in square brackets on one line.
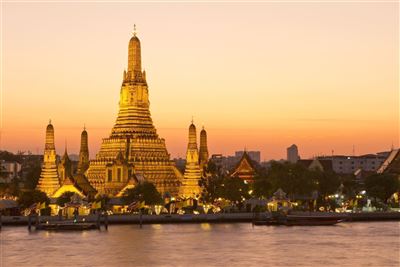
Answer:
[(237, 244)]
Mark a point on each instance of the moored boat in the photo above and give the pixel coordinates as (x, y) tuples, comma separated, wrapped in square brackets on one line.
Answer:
[(294, 220), (67, 226)]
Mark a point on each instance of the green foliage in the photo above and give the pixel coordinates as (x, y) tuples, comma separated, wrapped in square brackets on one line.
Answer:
[(231, 188), (64, 198), (211, 188), (32, 176), (351, 187), (328, 182), (262, 187), (381, 186), (26, 199), (235, 189), (10, 188), (8, 156), (146, 192), (294, 179)]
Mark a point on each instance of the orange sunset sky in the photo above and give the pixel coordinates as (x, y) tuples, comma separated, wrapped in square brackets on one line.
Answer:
[(322, 75)]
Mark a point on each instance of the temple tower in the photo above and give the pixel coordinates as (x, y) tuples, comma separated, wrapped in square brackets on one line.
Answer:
[(203, 149), (190, 184), (83, 163), (49, 180), (134, 135), (64, 167)]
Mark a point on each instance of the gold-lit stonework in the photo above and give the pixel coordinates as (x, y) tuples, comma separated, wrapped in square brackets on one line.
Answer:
[(49, 181), (203, 152), (133, 147), (83, 163), (190, 185)]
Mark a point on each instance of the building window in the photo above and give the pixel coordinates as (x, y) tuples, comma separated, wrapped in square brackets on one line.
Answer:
[(119, 174), (109, 175), (340, 162)]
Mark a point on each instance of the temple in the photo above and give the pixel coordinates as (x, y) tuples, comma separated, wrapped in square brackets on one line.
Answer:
[(203, 153), (133, 150), (57, 178), (49, 180), (83, 163), (245, 168), (190, 185)]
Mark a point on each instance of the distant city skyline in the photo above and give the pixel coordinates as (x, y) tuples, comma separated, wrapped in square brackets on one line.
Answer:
[(260, 82)]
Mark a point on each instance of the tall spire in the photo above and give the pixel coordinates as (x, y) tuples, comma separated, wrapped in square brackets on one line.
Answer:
[(49, 136), (134, 58), (203, 157), (83, 163), (134, 131), (49, 180), (190, 184)]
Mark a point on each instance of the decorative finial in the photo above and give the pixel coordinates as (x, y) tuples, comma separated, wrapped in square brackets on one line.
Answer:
[(84, 126), (66, 146), (134, 29), (192, 119), (49, 121)]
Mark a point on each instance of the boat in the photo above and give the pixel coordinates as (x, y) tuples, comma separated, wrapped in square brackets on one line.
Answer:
[(295, 220), (67, 226)]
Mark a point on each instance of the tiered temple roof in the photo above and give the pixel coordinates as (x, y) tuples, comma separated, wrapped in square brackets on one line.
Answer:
[(134, 134), (190, 185), (49, 180)]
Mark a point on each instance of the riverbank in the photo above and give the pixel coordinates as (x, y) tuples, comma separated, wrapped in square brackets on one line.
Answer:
[(202, 218)]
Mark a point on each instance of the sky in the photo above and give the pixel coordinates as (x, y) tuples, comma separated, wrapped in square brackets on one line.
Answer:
[(260, 76)]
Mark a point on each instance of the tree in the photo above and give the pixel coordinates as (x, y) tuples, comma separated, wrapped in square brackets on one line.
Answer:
[(227, 187), (262, 187), (27, 198), (328, 182), (382, 186), (145, 191), (294, 179), (32, 176), (64, 198), (212, 188), (235, 189)]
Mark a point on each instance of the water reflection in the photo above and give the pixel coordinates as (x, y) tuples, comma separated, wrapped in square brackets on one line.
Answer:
[(205, 226), (355, 244)]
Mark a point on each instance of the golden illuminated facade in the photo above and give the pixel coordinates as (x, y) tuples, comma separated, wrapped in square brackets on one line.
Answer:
[(83, 163), (133, 147), (190, 185), (49, 181), (203, 152), (58, 178)]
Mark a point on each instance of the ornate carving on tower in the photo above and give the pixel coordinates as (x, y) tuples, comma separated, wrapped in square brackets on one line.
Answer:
[(135, 137), (245, 168), (83, 163), (49, 181), (190, 184), (65, 167), (203, 149)]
